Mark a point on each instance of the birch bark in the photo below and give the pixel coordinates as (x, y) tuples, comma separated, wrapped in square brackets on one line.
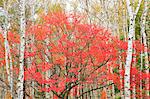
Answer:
[(132, 16), (8, 57), (141, 68), (20, 83), (143, 30)]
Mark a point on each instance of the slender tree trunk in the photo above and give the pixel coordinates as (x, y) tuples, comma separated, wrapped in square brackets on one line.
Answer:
[(143, 32), (22, 50), (134, 57), (121, 81), (129, 55), (7, 63), (3, 92), (141, 68), (133, 76), (124, 17), (134, 87), (46, 7), (11, 71), (113, 89), (8, 57), (131, 33), (129, 59)]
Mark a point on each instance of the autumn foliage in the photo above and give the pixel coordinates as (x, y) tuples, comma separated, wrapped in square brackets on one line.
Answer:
[(78, 54), (64, 53)]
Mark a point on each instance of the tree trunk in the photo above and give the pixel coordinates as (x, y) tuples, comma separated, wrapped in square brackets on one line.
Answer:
[(129, 59), (132, 16), (11, 71), (146, 63), (141, 68), (6, 55), (129, 52), (133, 76), (22, 50), (8, 58)]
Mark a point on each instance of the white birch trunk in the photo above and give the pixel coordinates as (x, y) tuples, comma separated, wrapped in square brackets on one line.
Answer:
[(11, 71), (133, 76), (141, 68), (132, 16), (46, 7), (20, 83), (129, 52), (146, 63), (8, 57), (128, 60)]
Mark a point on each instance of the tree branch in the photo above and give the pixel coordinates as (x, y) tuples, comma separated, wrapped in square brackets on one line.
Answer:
[(94, 89), (138, 7)]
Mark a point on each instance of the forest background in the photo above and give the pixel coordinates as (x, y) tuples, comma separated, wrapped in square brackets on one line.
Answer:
[(74, 49)]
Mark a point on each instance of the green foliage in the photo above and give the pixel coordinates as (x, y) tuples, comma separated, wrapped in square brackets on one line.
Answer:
[(55, 8), (1, 2), (115, 70), (137, 22), (122, 37), (118, 97)]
